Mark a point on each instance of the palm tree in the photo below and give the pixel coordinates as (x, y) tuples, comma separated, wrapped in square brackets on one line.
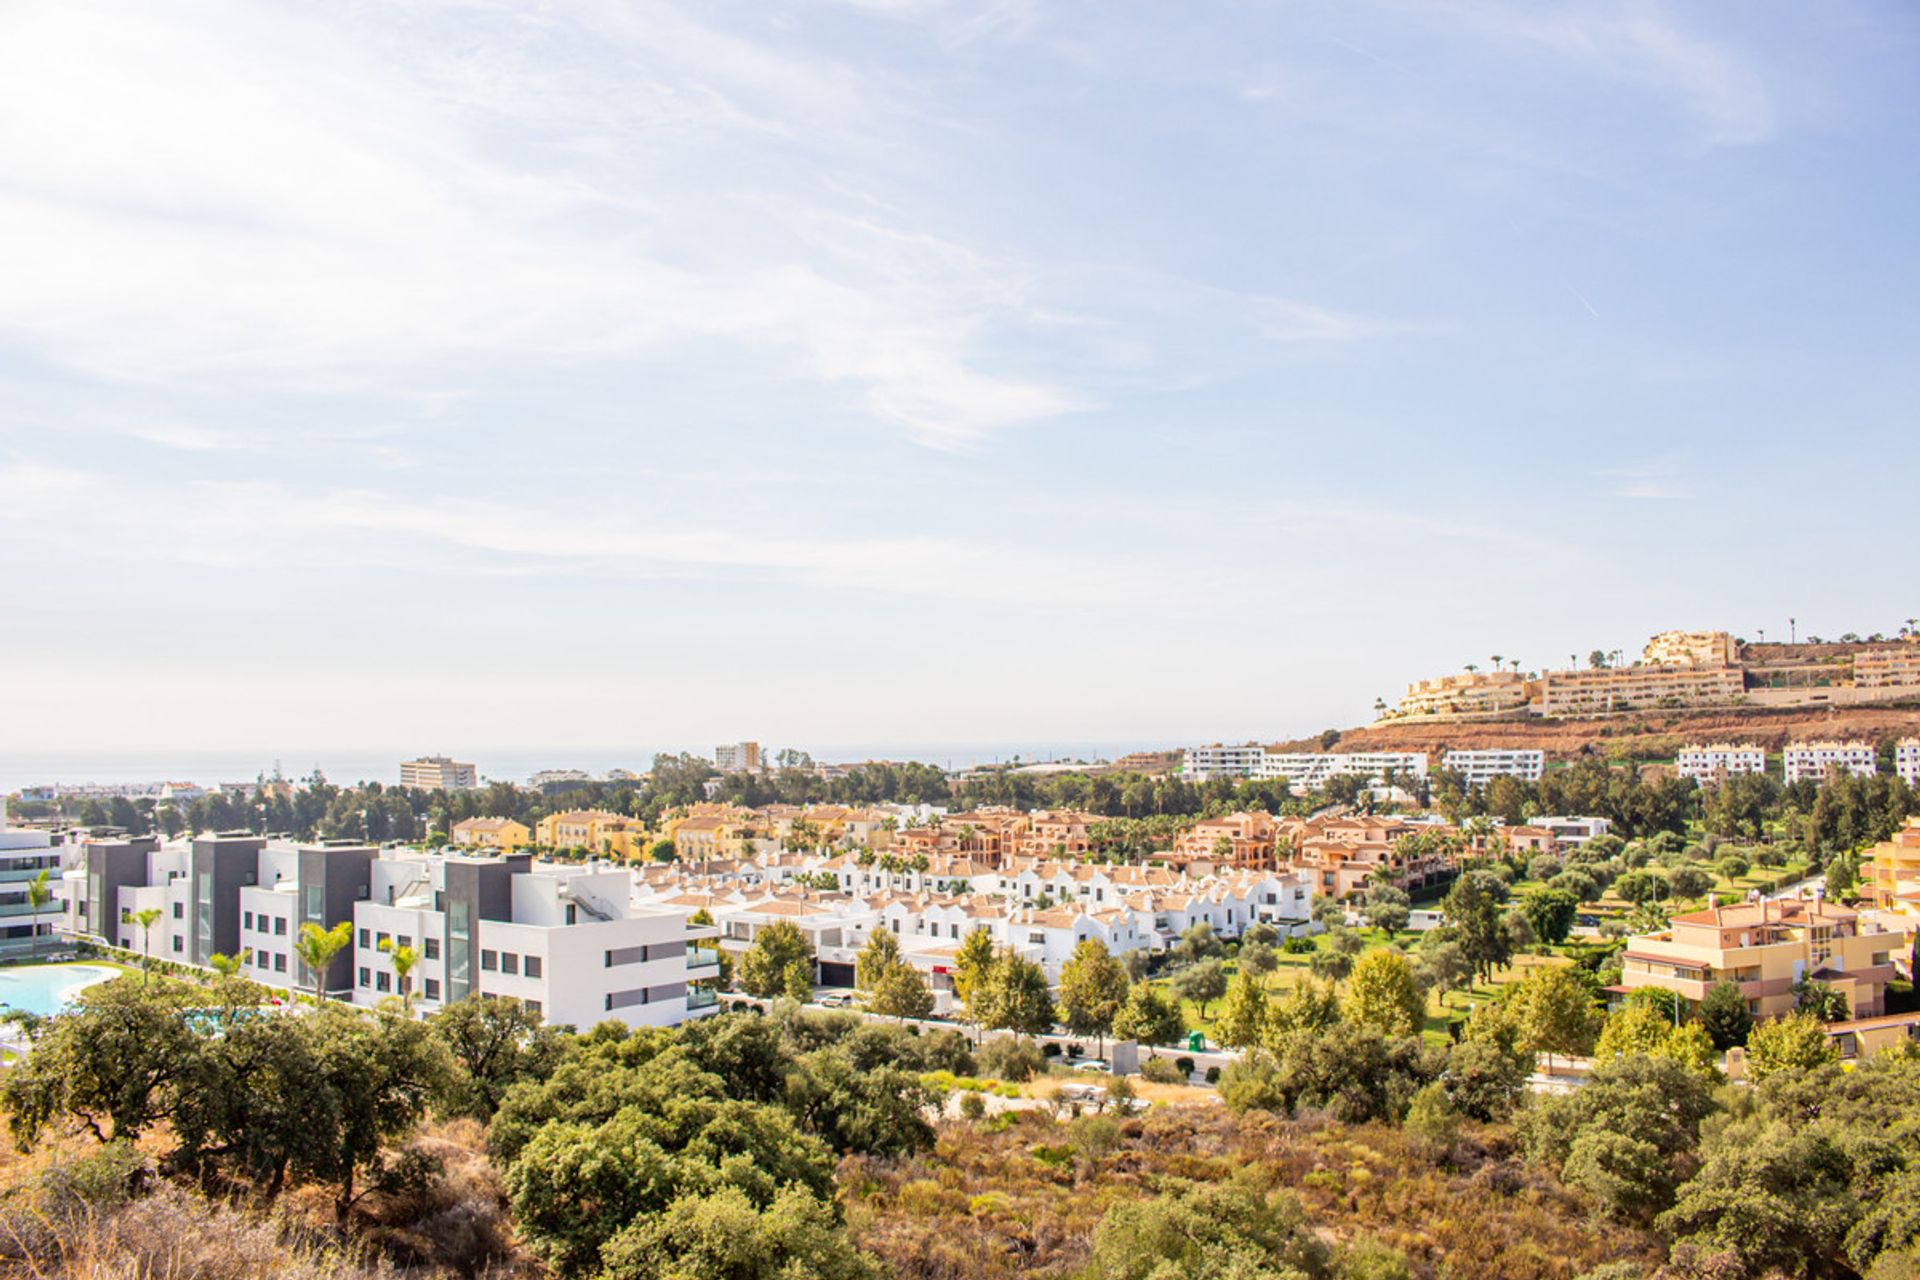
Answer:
[(229, 966), (404, 958), (146, 920), (1471, 668), (1496, 662), (38, 895), (316, 949)]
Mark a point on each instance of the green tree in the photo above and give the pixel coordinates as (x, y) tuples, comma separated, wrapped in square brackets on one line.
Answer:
[(146, 918), (113, 1065), (1383, 994), (1432, 1119), (1149, 1017), (1723, 1012), (1244, 1016), (972, 962), (1473, 910), (1388, 908), (1797, 1042), (901, 993), (777, 948), (1199, 943), (1551, 913), (38, 896), (725, 1236), (495, 1043), (1093, 985), (1204, 1231), (1774, 1194), (404, 959), (316, 947), (1556, 1013), (1823, 1000), (1017, 997), (1308, 1007), (1202, 983), (880, 954)]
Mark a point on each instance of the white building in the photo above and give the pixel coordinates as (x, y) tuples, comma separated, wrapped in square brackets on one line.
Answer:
[(1703, 764), (1812, 760), (737, 757), (1310, 770), (23, 856), (1906, 760), (438, 773), (556, 777), (1203, 764), (1483, 765), (567, 941), (1572, 830)]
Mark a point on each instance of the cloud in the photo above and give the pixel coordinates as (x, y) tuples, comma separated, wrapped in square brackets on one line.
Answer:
[(1657, 480), (1635, 40), (282, 205)]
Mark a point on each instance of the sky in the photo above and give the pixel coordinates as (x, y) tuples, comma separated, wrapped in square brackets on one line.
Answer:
[(439, 375)]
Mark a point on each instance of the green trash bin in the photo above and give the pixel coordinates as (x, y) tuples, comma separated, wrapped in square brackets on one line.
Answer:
[(1196, 1043)]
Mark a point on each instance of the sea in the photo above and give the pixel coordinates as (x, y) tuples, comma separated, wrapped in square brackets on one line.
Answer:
[(346, 765)]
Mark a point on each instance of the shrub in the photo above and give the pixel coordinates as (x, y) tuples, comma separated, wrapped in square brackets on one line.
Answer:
[(1011, 1058), (1051, 1049), (1162, 1071), (972, 1106), (1213, 1075), (1185, 1064), (1299, 946)]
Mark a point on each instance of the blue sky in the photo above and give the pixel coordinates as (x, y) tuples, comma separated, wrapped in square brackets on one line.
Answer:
[(596, 374)]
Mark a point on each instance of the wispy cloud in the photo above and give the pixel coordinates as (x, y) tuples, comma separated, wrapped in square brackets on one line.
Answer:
[(1657, 479)]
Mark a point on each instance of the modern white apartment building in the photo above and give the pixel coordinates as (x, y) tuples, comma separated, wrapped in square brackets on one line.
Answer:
[(1303, 770), (438, 773), (23, 856), (1812, 760), (1906, 760), (1703, 764), (558, 777), (1483, 765), (1203, 764), (567, 940), (1572, 829), (1310, 770), (737, 757)]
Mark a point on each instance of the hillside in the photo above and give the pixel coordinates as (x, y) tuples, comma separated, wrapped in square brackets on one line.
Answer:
[(1650, 736)]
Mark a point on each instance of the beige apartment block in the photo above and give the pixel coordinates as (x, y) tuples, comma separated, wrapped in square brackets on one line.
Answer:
[(1766, 948), (1691, 649), (1601, 690), (1891, 668), (503, 834), (1468, 693)]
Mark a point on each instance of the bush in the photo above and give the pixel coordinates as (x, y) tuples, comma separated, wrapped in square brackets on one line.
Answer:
[(1213, 1075), (1050, 1049), (1299, 946), (1185, 1064), (1011, 1058), (1369, 1258), (1162, 1071), (972, 1106)]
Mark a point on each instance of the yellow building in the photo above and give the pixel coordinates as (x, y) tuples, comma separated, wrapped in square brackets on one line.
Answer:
[(1890, 878), (1766, 948), (597, 831), (1600, 690), (1468, 693), (503, 834), (1890, 668), (1690, 649)]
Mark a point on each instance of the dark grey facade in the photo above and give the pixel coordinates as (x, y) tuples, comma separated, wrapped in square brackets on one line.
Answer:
[(221, 866), (113, 865), (476, 889), (330, 879)]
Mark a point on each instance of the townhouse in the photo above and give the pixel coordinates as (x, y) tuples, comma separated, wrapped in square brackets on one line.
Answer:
[(1480, 766), (498, 835), (1721, 759), (599, 832), (1240, 840), (1812, 761), (1766, 948)]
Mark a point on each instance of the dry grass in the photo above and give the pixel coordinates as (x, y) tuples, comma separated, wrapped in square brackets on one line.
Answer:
[(986, 1205)]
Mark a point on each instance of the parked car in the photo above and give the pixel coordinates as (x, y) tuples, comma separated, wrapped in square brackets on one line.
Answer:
[(838, 1000)]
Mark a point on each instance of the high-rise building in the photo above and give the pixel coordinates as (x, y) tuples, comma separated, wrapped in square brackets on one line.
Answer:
[(737, 757), (438, 773)]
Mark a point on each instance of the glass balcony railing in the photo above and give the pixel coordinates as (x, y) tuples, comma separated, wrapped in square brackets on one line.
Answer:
[(702, 958), (702, 997)]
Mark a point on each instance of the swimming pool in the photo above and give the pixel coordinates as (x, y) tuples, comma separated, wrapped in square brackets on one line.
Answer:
[(47, 989)]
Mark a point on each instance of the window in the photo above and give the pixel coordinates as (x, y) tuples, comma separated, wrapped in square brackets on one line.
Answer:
[(179, 911), (626, 999), (509, 963), (534, 1006), (279, 962), (626, 955), (490, 961), (431, 949), (178, 943), (533, 967), (383, 981), (366, 939), (381, 939), (433, 988), (246, 919), (402, 940), (280, 926), (366, 976)]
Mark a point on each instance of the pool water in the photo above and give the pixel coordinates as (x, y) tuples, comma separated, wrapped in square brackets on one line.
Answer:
[(47, 989)]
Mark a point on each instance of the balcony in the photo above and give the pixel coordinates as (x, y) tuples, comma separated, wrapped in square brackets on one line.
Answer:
[(702, 958), (701, 998)]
